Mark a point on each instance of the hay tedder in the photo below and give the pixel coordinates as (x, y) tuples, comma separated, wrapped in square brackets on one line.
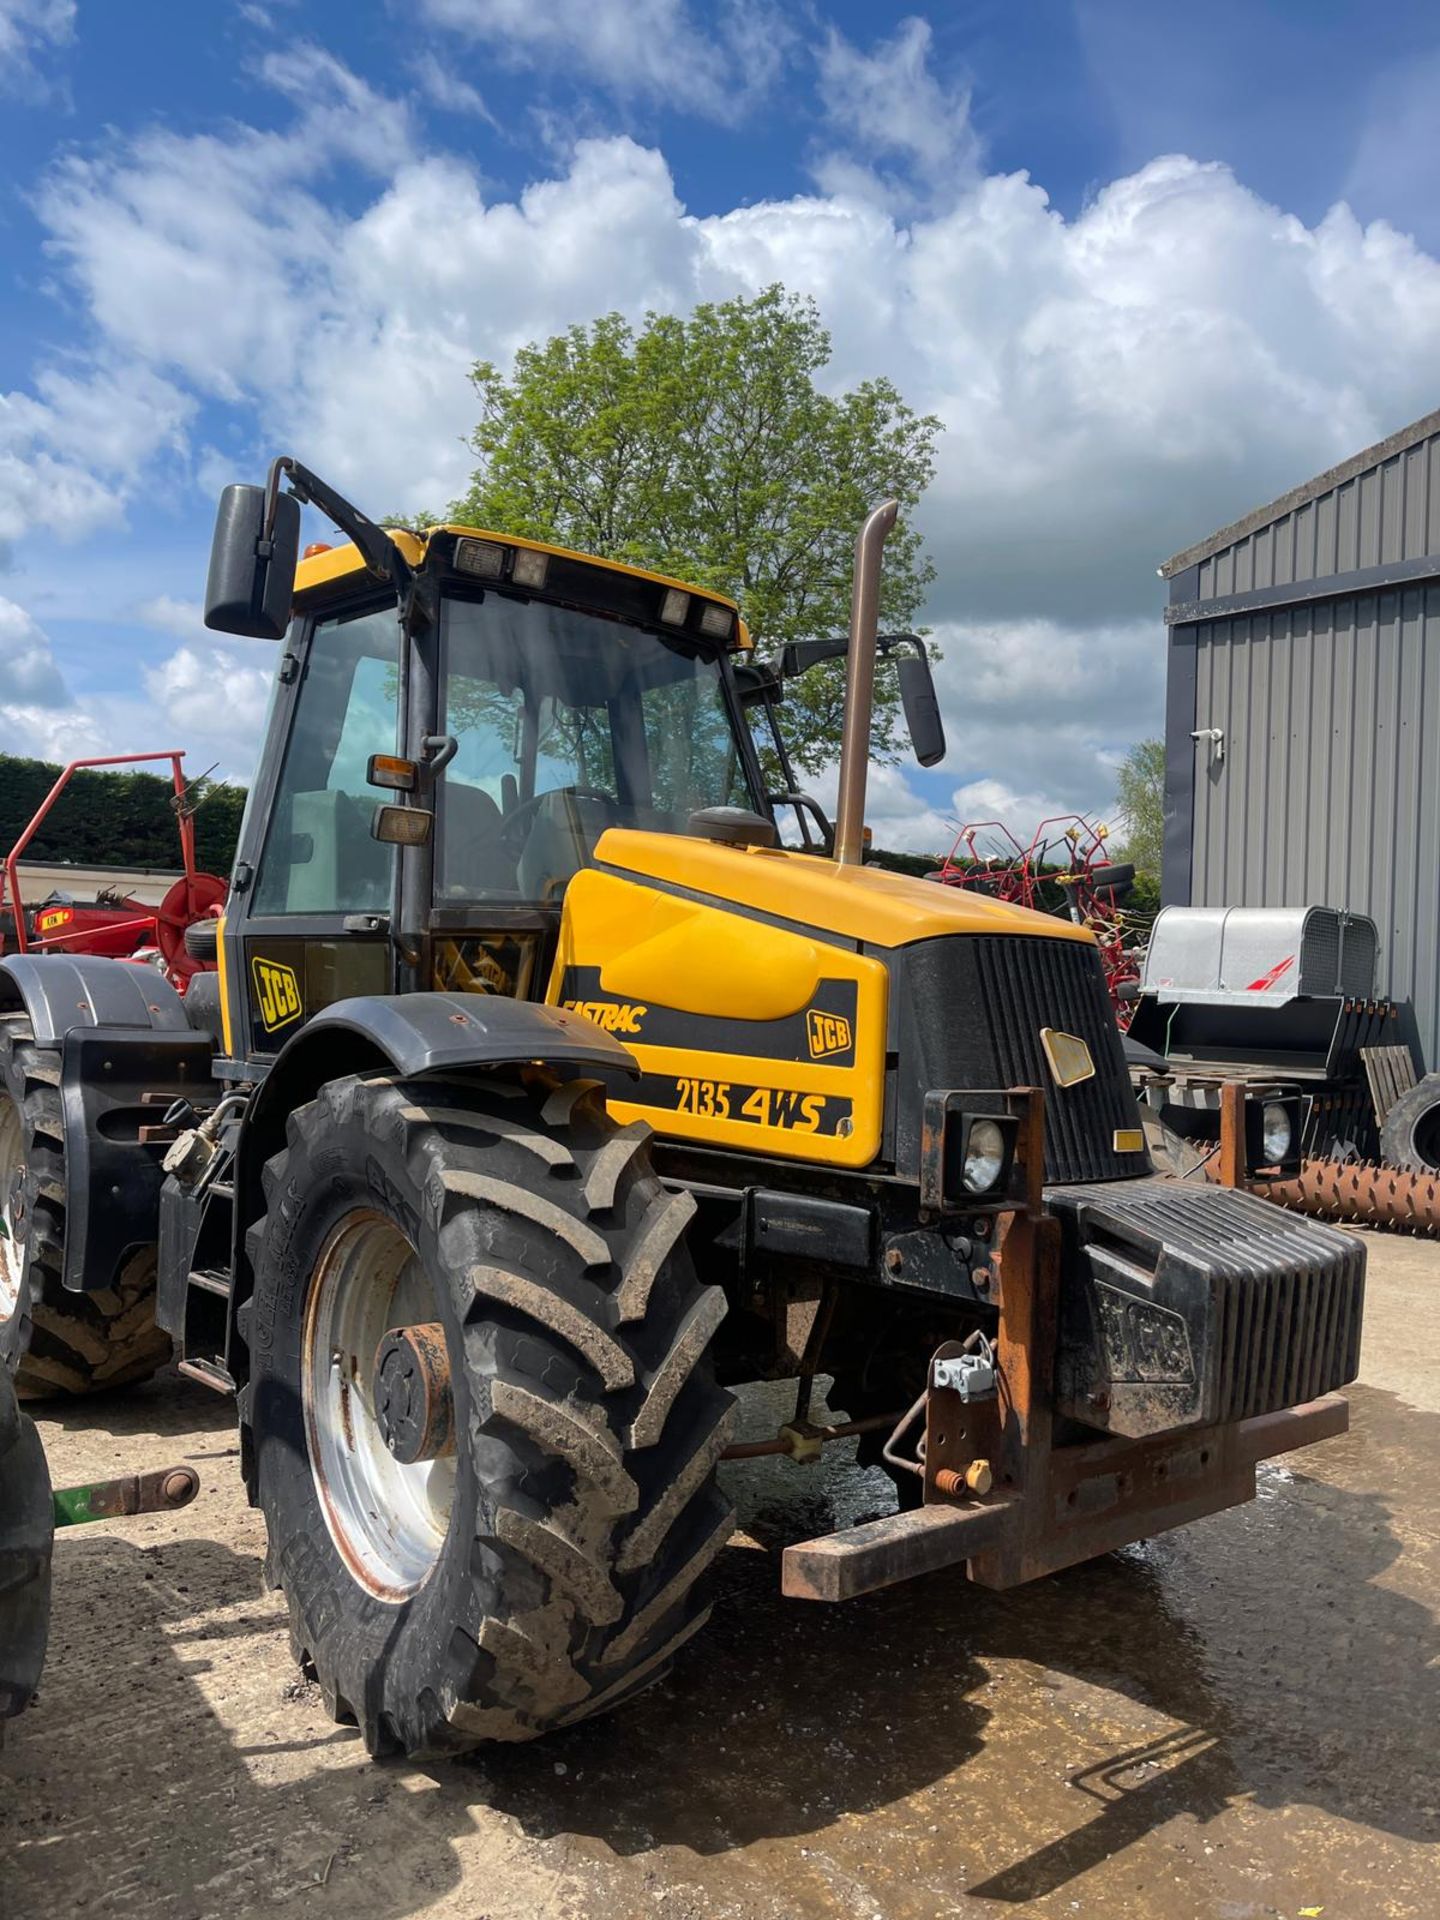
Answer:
[(545, 1095), (1064, 867)]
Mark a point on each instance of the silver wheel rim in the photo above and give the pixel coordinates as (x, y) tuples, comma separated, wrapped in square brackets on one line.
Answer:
[(12, 1172), (387, 1519)]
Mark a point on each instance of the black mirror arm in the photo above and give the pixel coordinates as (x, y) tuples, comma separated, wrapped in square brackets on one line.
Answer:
[(379, 552), (889, 643)]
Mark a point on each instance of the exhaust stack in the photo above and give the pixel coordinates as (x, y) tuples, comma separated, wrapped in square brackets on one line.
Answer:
[(860, 682)]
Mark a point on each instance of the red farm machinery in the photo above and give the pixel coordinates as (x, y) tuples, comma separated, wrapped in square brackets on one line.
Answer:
[(1064, 867), (115, 923)]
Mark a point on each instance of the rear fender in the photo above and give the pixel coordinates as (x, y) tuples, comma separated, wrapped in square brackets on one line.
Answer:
[(119, 1034)]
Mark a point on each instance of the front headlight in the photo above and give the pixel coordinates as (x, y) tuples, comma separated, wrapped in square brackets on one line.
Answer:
[(1276, 1133), (984, 1157)]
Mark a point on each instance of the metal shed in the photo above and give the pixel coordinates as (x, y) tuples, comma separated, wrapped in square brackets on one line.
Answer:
[(1302, 725)]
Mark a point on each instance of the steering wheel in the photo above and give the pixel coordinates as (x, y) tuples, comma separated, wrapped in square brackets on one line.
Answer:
[(524, 814)]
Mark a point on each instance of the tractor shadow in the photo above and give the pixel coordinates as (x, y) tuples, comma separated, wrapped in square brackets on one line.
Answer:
[(1293, 1677), (168, 1406)]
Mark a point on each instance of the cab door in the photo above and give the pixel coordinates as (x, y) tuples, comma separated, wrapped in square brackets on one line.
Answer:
[(314, 892)]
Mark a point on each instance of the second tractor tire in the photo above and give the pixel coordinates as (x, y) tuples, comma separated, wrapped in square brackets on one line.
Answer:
[(583, 1507), (27, 1532)]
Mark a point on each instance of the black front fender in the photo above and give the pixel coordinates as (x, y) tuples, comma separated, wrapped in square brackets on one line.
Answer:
[(62, 991), (438, 1032), (412, 1034)]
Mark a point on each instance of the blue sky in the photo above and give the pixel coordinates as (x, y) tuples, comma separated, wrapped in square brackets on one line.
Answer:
[(1149, 263)]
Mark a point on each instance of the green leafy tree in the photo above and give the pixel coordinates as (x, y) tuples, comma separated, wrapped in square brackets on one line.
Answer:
[(703, 447), (1140, 799)]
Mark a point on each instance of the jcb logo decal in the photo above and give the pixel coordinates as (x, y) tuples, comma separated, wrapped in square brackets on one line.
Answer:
[(277, 993), (828, 1033), (615, 1016)]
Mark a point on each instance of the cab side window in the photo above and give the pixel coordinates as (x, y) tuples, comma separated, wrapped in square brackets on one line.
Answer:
[(319, 856)]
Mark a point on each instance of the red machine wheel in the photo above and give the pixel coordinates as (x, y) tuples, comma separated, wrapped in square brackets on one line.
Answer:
[(187, 901)]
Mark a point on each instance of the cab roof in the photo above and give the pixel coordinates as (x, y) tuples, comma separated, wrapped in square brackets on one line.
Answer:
[(338, 562)]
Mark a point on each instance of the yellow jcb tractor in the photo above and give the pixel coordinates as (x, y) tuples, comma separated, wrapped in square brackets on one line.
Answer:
[(542, 1094)]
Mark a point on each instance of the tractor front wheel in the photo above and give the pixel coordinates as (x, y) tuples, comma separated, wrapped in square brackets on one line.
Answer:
[(481, 1411)]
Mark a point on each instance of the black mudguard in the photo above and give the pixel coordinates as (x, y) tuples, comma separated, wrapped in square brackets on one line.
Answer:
[(120, 1034), (410, 1034)]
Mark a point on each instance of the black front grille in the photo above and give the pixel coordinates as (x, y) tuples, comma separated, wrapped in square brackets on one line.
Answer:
[(1184, 1304), (971, 1012)]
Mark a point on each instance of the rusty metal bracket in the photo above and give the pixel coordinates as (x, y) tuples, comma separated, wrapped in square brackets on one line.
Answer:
[(1083, 1501)]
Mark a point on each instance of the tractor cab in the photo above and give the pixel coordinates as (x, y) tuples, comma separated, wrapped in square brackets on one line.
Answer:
[(460, 717), (445, 751)]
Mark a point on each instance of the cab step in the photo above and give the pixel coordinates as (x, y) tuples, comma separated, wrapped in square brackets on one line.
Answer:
[(209, 1373), (211, 1280)]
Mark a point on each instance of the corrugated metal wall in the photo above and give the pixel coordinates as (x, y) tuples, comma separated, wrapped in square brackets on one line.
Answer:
[(1388, 513), (1330, 786), (1329, 790)]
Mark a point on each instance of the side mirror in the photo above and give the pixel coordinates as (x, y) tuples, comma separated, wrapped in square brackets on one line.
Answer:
[(252, 577), (922, 709)]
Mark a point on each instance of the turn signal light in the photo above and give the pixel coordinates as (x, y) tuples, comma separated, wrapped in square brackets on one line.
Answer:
[(388, 770)]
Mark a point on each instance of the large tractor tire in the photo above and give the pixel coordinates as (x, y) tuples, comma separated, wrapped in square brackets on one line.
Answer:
[(27, 1532), (1410, 1131), (52, 1340), (482, 1420)]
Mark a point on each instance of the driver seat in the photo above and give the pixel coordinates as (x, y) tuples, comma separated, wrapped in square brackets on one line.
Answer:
[(560, 843), (474, 858)]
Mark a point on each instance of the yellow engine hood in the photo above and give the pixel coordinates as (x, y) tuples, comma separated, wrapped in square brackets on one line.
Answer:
[(857, 903)]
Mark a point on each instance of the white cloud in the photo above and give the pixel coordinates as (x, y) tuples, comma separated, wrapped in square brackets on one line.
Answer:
[(887, 104), (28, 28), (715, 58), (185, 619), (210, 700), (70, 449), (214, 697), (28, 673), (444, 88)]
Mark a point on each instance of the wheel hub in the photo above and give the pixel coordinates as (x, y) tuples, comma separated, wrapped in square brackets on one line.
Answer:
[(413, 1403)]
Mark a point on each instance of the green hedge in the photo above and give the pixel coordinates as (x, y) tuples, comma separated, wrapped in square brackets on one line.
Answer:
[(114, 819)]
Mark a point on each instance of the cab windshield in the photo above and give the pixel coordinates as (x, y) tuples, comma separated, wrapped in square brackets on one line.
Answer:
[(566, 724)]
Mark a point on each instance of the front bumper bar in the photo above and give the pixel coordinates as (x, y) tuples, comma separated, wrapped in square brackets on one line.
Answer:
[(1093, 1499)]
